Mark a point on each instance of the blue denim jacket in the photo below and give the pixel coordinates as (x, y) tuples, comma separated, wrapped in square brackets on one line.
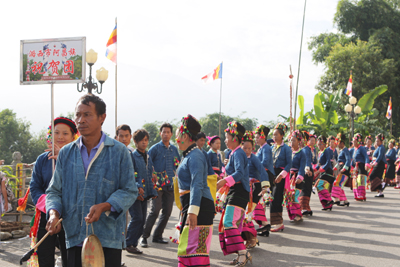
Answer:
[(163, 160), (143, 171), (41, 176), (192, 175), (110, 178), (264, 154)]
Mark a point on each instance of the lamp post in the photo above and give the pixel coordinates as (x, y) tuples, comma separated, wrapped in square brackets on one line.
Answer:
[(101, 75), (353, 111)]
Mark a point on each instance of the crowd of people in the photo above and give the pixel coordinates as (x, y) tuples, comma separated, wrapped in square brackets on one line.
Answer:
[(98, 180)]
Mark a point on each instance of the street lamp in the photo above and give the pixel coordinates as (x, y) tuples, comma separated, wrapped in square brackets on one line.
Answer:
[(353, 111), (101, 74)]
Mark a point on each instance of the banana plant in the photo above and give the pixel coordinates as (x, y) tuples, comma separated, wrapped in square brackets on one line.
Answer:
[(324, 118)]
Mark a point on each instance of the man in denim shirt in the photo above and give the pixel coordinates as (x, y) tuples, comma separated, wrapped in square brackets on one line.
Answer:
[(93, 183), (164, 156)]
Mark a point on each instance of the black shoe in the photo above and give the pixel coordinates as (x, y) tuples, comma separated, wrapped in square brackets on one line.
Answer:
[(265, 233), (143, 243), (327, 208), (160, 240), (133, 250), (380, 195), (264, 228), (345, 204), (336, 203), (307, 213)]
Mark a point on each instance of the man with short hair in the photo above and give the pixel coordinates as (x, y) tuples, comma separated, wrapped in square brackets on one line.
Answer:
[(93, 183), (165, 159), (123, 133)]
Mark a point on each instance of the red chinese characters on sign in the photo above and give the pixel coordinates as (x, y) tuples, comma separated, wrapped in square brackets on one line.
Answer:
[(32, 53), (48, 52), (40, 53), (37, 67), (53, 65), (56, 52), (69, 67), (72, 52), (64, 52)]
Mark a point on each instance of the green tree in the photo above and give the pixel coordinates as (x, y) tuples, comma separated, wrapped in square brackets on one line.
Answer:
[(15, 136), (366, 43), (210, 124)]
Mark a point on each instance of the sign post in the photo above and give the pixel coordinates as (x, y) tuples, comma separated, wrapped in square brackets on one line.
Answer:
[(50, 61)]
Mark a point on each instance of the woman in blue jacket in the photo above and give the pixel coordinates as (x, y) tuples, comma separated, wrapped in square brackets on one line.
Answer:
[(294, 186), (326, 170), (378, 163), (65, 132), (198, 208), (259, 182), (361, 163), (311, 161), (282, 160), (343, 166), (237, 180), (391, 167)]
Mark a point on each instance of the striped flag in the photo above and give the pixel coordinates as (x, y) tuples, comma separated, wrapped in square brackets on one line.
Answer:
[(389, 110), (111, 52), (212, 76), (349, 88)]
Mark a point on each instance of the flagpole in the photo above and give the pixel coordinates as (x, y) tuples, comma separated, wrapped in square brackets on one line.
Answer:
[(298, 72), (116, 78), (220, 104)]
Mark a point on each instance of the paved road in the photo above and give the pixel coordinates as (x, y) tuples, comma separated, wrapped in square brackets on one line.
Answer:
[(364, 234)]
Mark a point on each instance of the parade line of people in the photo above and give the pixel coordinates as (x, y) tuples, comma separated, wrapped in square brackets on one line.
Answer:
[(98, 179)]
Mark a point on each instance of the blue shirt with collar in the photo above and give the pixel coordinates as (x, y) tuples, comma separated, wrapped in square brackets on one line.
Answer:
[(163, 159), (84, 153), (345, 158)]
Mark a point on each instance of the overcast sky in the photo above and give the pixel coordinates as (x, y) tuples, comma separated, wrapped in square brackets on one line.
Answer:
[(164, 48)]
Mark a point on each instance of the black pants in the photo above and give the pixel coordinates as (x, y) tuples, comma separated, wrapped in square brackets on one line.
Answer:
[(46, 250), (307, 186), (112, 257)]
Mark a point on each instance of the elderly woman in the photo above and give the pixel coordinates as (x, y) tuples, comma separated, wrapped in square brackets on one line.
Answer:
[(198, 208), (65, 132)]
